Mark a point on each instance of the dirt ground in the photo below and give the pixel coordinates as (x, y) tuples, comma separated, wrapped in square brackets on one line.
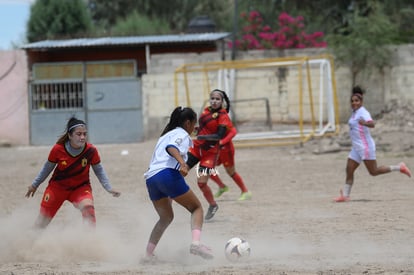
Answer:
[(292, 224)]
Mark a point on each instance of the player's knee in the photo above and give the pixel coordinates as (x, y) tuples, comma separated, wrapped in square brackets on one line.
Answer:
[(202, 185), (373, 173), (167, 220), (88, 213)]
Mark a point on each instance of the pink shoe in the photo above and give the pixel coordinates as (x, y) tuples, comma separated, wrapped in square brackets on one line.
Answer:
[(341, 197), (201, 250), (149, 259), (404, 169)]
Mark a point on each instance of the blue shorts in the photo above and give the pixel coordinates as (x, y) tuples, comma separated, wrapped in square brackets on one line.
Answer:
[(360, 155), (166, 183)]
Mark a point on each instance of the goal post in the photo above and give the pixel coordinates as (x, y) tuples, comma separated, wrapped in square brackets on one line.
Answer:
[(274, 101)]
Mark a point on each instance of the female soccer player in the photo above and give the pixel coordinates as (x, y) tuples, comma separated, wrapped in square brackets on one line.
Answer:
[(70, 160), (226, 157), (165, 181), (213, 124), (363, 146)]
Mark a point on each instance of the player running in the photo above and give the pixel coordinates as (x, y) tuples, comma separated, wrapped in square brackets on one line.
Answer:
[(213, 125), (363, 146), (226, 157)]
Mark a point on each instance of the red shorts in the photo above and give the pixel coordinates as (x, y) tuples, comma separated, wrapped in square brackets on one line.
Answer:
[(55, 195), (226, 156), (207, 158)]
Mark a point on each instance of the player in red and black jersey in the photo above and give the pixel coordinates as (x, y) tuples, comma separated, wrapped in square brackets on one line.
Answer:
[(70, 160), (213, 124), (226, 157)]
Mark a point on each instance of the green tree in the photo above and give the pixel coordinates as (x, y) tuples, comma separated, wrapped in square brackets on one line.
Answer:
[(362, 42), (176, 13), (136, 23), (105, 14), (401, 13), (54, 19)]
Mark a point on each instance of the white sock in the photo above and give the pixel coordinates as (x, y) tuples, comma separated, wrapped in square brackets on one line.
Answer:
[(347, 189), (395, 168)]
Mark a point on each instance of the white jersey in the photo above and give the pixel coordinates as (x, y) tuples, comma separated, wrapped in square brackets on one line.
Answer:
[(161, 159), (361, 138)]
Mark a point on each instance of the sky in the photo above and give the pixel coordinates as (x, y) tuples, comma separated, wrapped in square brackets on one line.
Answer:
[(14, 15)]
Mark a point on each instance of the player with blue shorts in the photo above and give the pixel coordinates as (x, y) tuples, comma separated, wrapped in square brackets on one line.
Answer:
[(165, 181)]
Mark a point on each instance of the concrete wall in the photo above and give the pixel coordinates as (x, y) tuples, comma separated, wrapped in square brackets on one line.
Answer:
[(14, 118), (396, 83)]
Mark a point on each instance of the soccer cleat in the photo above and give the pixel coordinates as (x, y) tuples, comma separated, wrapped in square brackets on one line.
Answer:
[(221, 191), (149, 259), (404, 169), (341, 197), (245, 196), (201, 250), (212, 209)]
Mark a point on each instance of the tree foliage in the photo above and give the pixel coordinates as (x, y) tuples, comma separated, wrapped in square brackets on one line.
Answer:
[(357, 31), (51, 19), (176, 14), (115, 17), (136, 23), (362, 42)]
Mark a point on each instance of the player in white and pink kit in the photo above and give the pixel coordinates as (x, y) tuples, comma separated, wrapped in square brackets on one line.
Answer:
[(363, 146)]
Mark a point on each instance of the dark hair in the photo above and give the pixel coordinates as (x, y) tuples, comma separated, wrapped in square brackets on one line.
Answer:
[(73, 122), (358, 91), (225, 97), (178, 117)]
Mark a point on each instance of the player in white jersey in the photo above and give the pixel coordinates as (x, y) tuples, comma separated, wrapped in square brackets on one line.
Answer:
[(363, 146), (165, 181)]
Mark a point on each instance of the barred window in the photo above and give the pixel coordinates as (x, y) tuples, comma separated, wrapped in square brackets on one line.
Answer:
[(63, 95)]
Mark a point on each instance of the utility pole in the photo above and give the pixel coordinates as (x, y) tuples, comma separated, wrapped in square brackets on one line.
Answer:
[(235, 16)]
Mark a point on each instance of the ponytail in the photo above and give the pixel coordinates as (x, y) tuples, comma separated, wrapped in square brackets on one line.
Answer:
[(358, 92), (178, 117)]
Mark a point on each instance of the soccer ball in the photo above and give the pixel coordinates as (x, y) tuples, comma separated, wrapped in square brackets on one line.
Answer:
[(236, 248)]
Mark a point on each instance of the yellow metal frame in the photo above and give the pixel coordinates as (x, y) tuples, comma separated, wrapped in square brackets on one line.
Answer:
[(303, 137)]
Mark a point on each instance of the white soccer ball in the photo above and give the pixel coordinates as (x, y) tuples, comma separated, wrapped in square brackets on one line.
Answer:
[(236, 248)]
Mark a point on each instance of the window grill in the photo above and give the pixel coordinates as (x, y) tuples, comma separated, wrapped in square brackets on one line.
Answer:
[(52, 96)]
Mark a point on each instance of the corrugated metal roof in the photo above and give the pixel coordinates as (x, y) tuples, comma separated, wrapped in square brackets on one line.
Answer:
[(127, 40)]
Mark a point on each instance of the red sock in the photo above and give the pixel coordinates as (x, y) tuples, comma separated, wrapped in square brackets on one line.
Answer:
[(207, 193), (239, 181), (217, 180)]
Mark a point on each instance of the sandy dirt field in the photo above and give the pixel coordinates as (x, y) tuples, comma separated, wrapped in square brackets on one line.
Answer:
[(292, 224)]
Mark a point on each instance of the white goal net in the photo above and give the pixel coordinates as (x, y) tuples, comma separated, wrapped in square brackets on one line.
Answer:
[(273, 101)]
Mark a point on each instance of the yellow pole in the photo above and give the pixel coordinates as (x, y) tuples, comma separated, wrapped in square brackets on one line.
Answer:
[(308, 73), (187, 92)]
